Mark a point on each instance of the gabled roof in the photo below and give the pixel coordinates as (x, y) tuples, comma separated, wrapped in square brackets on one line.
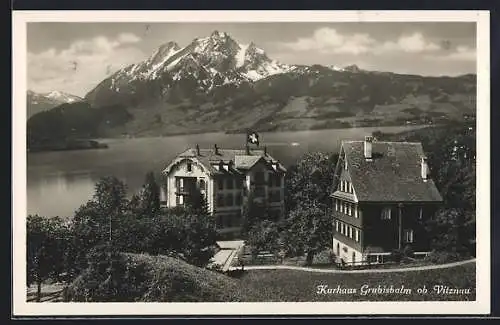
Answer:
[(393, 174), (238, 159)]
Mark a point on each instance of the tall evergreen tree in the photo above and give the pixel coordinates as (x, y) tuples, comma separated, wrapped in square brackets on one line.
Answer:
[(150, 196)]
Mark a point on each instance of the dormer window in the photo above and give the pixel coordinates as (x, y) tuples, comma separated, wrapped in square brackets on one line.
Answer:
[(189, 166), (386, 214)]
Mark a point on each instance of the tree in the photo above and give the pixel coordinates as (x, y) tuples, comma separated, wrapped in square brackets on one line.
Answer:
[(311, 179), (448, 231), (200, 241), (197, 203), (150, 196), (263, 236), (252, 215), (96, 221), (109, 277), (47, 244), (308, 230)]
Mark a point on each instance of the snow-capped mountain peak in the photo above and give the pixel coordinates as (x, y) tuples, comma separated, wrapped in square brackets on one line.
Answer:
[(204, 64), (215, 54), (38, 102), (61, 96)]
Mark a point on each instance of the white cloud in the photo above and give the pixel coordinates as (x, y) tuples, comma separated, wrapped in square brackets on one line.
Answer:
[(415, 43), (460, 53), (84, 63), (463, 53), (128, 38), (328, 40)]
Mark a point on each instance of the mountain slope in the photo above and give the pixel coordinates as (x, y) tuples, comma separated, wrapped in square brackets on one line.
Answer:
[(39, 102), (218, 84), (172, 72)]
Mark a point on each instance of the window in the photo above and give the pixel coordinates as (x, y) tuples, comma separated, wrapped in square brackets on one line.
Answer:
[(259, 176), (349, 209), (229, 200), (356, 235), (203, 185), (259, 191), (237, 219), (338, 249), (179, 183), (386, 214), (336, 226), (237, 198), (221, 184), (342, 186), (189, 166), (220, 200), (218, 221), (420, 214), (239, 183), (408, 235), (355, 211), (350, 232), (229, 183), (229, 220), (336, 205)]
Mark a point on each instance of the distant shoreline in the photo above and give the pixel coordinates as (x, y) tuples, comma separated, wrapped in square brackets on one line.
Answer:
[(243, 131), (68, 146)]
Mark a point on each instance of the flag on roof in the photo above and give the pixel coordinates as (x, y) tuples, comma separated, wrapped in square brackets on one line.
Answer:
[(253, 137)]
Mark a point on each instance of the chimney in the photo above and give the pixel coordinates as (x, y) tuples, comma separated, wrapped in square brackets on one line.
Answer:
[(197, 150), (368, 147), (424, 168), (216, 149)]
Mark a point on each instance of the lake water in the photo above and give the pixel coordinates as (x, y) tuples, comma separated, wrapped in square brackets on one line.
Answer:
[(59, 182)]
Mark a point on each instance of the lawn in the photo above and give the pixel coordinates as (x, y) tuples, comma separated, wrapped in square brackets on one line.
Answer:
[(299, 286), (165, 279)]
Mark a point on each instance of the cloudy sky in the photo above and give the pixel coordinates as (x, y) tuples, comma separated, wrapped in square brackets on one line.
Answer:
[(75, 57)]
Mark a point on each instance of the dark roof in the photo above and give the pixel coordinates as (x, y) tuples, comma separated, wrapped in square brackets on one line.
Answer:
[(393, 175), (239, 159)]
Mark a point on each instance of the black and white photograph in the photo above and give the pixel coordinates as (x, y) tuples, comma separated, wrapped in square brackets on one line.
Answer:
[(192, 158)]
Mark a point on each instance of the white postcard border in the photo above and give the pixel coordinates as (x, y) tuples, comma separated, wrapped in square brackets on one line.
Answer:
[(19, 53)]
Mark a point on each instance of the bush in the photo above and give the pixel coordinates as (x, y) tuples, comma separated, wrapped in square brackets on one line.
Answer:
[(408, 251), (441, 257), (110, 276), (396, 256), (146, 278)]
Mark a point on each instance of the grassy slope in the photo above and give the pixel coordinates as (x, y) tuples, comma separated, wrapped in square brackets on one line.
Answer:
[(161, 279), (181, 281), (288, 285), (172, 280)]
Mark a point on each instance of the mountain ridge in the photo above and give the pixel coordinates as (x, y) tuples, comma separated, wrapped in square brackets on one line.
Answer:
[(218, 84), (39, 102)]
